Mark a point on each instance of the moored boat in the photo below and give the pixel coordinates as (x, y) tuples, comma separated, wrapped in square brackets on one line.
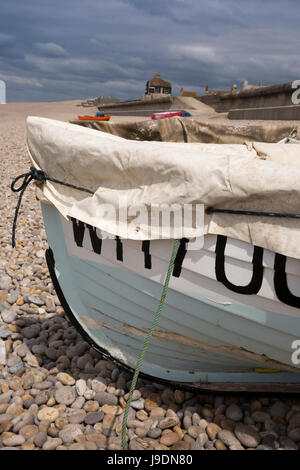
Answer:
[(231, 318), (94, 118), (167, 114)]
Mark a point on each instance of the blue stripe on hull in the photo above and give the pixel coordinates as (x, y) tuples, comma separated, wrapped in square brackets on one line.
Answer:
[(197, 341)]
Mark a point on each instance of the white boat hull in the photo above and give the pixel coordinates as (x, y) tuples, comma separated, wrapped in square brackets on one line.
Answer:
[(208, 333)]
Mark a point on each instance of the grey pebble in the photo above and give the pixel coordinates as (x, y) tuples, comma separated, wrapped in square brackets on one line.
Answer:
[(13, 360), (199, 443), (3, 353), (4, 333), (287, 443), (138, 404), (40, 438), (77, 350), (38, 349), (260, 416), (94, 417), (209, 445), (9, 316), (33, 299), (78, 403), (278, 409), (294, 434), (43, 385), (28, 382), (247, 435), (228, 438), (295, 420), (136, 395), (194, 431), (234, 412), (115, 374), (69, 433), (98, 385), (22, 350), (168, 422), (65, 395), (154, 433), (80, 387), (31, 331), (104, 398), (27, 403), (52, 443), (5, 417), (42, 397), (16, 368), (187, 422), (12, 298), (75, 416)]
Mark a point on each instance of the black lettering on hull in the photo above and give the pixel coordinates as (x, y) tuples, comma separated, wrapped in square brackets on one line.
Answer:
[(280, 278), (147, 256), (119, 249), (78, 231), (180, 257), (255, 284), (95, 240), (280, 283)]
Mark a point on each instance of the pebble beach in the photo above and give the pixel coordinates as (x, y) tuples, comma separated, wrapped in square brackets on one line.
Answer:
[(56, 392)]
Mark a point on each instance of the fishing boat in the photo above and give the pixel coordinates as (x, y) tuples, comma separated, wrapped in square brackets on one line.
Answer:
[(94, 118), (231, 319)]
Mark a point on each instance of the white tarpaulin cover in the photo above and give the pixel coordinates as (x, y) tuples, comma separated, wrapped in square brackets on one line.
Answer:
[(257, 177)]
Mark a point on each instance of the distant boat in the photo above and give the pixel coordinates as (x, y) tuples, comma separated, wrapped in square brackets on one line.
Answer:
[(94, 118), (229, 321), (167, 114)]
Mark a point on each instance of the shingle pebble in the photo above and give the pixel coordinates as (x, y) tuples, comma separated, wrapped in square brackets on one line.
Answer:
[(247, 435), (65, 395), (94, 417)]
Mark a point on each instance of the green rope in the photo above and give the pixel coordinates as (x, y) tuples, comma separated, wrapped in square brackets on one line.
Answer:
[(147, 341)]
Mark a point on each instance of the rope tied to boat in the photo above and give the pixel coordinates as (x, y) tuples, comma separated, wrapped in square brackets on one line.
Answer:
[(212, 210), (36, 175), (147, 341)]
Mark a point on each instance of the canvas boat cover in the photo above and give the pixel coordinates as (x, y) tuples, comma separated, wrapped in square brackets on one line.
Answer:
[(252, 176), (195, 130)]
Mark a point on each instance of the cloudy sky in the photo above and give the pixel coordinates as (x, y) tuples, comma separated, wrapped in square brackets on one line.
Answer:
[(74, 49)]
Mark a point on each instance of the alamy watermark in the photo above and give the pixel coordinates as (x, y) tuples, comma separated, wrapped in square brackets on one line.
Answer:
[(296, 354), (2, 92), (296, 94), (155, 221)]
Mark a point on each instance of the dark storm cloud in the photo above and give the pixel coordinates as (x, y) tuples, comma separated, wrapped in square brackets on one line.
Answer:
[(77, 49)]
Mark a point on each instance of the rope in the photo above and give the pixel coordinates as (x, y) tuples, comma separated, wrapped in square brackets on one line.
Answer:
[(37, 175), (147, 341), (211, 210), (41, 176)]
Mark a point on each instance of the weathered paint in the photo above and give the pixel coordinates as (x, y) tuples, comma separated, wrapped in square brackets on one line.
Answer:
[(183, 340)]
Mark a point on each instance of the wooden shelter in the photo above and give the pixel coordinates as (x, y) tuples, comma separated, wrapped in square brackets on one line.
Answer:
[(158, 86)]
